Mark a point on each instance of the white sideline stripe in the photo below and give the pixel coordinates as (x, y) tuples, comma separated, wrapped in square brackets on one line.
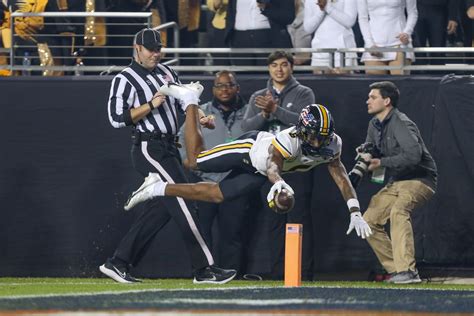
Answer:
[(129, 291), (213, 289), (263, 302), (182, 204)]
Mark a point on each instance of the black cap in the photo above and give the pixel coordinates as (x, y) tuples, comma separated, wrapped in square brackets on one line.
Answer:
[(149, 38)]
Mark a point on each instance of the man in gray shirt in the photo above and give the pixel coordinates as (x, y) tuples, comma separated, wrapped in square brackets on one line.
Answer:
[(411, 173), (273, 109)]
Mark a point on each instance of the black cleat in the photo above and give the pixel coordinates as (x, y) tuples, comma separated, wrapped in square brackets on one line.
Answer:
[(118, 274), (213, 275)]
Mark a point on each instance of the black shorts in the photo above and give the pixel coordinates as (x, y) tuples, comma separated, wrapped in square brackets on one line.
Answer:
[(228, 156)]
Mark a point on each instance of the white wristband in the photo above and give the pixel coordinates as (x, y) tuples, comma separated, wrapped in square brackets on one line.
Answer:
[(353, 203)]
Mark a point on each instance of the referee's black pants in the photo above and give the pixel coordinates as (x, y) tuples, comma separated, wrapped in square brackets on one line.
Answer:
[(161, 156)]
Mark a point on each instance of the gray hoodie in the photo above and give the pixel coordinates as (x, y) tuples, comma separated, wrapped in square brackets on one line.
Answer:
[(292, 99)]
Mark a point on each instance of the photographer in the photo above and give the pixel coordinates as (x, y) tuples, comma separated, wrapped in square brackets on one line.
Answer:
[(410, 171)]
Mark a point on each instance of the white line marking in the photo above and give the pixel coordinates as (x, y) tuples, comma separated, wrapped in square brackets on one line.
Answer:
[(260, 302), (119, 292)]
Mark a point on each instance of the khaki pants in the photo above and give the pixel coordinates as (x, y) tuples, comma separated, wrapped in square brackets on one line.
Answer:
[(395, 201)]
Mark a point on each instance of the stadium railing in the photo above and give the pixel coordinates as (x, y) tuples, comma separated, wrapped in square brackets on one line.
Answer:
[(203, 60)]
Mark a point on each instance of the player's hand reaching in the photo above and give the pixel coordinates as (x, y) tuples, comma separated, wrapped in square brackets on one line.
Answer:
[(361, 227), (276, 188)]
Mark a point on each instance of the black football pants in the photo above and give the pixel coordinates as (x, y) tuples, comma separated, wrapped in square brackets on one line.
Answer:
[(162, 157)]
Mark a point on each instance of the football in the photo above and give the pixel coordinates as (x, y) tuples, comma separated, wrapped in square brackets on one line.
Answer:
[(284, 202)]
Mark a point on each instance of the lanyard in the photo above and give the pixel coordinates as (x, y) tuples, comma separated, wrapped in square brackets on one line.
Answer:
[(228, 124)]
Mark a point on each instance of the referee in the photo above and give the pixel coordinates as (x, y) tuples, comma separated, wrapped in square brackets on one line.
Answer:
[(135, 100)]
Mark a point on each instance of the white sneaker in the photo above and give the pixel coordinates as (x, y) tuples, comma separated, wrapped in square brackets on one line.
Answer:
[(144, 192), (189, 93), (195, 86)]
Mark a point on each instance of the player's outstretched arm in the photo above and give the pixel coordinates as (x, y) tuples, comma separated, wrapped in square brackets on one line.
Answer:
[(339, 174), (274, 168), (274, 164)]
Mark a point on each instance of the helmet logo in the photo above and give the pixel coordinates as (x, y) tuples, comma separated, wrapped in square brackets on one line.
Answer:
[(306, 116)]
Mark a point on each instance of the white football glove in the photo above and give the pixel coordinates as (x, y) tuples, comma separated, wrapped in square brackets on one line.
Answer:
[(361, 227), (276, 188)]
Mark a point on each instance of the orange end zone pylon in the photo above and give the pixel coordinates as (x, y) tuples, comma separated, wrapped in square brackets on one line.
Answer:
[(293, 249)]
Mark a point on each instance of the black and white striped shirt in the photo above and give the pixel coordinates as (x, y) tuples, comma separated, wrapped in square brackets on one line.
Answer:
[(135, 86)]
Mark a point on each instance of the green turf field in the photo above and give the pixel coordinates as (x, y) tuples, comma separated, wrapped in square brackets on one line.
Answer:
[(49, 286), (26, 295)]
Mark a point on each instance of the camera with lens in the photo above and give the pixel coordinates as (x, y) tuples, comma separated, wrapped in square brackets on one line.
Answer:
[(366, 151)]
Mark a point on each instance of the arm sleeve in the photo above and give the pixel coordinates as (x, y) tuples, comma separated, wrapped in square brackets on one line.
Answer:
[(252, 118), (412, 16), (289, 117), (313, 17), (363, 12), (338, 150), (406, 135), (283, 144), (346, 18), (120, 98), (453, 12)]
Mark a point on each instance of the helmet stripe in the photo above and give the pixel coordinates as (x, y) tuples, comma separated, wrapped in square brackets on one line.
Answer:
[(324, 120)]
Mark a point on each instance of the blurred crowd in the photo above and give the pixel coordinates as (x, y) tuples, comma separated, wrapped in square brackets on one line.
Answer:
[(99, 41)]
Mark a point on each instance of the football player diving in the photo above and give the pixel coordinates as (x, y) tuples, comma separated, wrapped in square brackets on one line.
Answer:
[(256, 157)]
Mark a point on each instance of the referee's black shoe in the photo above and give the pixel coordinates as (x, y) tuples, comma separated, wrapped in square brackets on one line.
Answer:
[(213, 275), (116, 273)]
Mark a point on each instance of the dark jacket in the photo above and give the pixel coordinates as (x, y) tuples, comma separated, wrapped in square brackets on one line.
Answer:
[(404, 154), (280, 13), (451, 7)]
